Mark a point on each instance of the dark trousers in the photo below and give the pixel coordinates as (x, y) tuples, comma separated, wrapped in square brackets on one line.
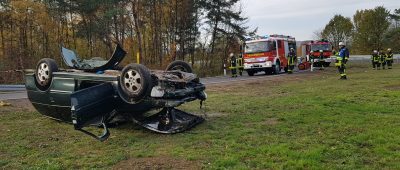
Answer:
[(383, 64), (234, 70), (290, 69), (373, 64), (389, 63), (241, 71), (378, 65), (342, 71)]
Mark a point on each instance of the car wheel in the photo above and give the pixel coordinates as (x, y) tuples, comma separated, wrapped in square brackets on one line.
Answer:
[(316, 64), (250, 73), (180, 65), (134, 82), (44, 73), (267, 71), (277, 68), (326, 64)]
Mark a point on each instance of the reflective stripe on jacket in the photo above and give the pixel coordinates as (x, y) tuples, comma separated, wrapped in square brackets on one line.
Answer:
[(389, 57)]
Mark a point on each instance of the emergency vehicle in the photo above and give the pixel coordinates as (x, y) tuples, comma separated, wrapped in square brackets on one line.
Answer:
[(267, 53), (316, 47)]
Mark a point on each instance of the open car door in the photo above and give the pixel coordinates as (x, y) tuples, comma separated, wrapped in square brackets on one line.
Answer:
[(93, 106)]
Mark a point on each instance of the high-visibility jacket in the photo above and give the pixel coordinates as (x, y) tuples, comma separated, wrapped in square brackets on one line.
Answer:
[(389, 57), (233, 63), (375, 58), (382, 57), (339, 61), (291, 58), (344, 53), (239, 62)]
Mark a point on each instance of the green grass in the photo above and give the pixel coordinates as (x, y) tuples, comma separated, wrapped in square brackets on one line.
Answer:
[(317, 122)]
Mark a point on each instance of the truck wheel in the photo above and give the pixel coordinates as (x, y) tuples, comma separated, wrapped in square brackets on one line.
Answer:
[(44, 73), (301, 66), (134, 83), (266, 71), (250, 73), (277, 68), (180, 65)]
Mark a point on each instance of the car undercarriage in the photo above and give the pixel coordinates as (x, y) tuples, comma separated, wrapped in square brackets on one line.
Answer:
[(97, 92)]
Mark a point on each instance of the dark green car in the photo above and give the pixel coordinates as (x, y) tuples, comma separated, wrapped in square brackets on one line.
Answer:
[(98, 92)]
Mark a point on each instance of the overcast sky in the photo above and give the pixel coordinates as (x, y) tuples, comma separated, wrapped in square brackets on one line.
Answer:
[(300, 18)]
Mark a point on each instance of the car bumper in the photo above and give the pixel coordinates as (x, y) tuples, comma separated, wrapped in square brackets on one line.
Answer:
[(248, 66), (328, 60)]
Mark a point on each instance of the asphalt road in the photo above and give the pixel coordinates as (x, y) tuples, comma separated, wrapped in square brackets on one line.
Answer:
[(10, 92)]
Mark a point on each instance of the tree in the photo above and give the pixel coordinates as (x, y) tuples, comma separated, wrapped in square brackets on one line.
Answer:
[(225, 25), (160, 31), (396, 18), (223, 19), (392, 37), (317, 34), (339, 29), (370, 26)]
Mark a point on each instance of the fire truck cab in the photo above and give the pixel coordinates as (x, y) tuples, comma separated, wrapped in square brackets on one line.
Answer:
[(316, 47), (267, 53)]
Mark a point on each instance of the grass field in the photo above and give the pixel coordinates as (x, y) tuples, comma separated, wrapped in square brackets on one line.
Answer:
[(310, 121)]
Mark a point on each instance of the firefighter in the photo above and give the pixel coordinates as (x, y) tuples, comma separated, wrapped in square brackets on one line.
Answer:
[(375, 59), (382, 59), (389, 58), (240, 64), (292, 56), (311, 57), (321, 59), (341, 60), (233, 65)]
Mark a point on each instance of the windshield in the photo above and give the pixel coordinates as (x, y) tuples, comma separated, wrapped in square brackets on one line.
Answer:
[(325, 47), (257, 47)]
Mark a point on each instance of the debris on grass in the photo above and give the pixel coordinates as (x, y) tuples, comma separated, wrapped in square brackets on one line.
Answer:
[(3, 104)]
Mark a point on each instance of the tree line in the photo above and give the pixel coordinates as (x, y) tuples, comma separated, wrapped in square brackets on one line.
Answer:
[(202, 32), (369, 29), (159, 31)]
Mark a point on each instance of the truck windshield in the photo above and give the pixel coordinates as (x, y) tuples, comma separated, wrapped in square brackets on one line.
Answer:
[(257, 47), (317, 47)]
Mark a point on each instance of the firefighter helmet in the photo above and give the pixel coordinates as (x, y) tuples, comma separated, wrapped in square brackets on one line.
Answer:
[(311, 51), (231, 55), (389, 49), (375, 51), (321, 51), (341, 44)]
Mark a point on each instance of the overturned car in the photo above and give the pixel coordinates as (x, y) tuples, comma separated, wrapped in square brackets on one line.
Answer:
[(97, 92)]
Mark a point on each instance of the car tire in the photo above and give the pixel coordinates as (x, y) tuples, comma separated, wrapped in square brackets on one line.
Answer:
[(44, 73), (277, 68), (180, 65), (250, 73), (326, 64), (134, 83)]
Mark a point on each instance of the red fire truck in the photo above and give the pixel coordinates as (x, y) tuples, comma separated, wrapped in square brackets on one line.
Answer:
[(267, 53), (316, 47)]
